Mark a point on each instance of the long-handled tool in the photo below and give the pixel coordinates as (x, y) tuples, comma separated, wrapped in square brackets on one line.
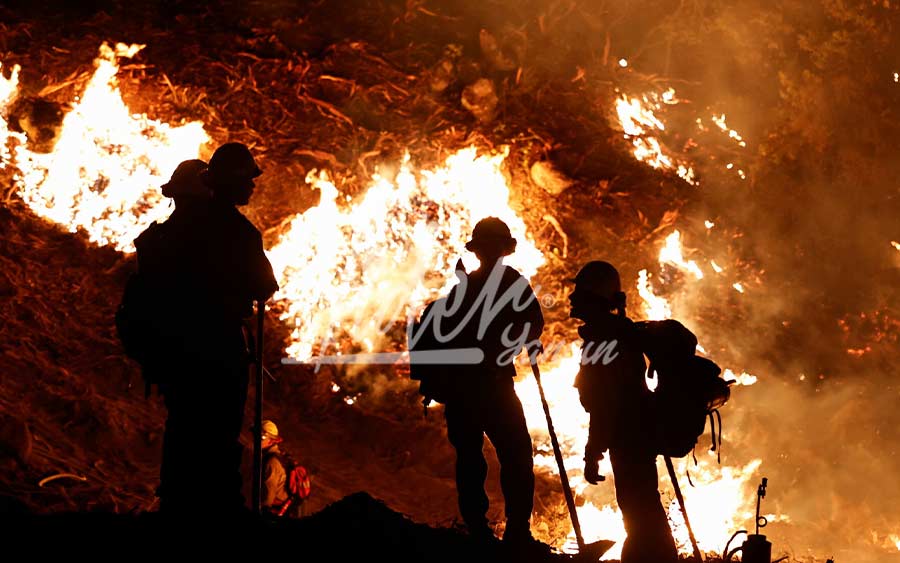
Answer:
[(258, 415), (680, 498), (591, 551)]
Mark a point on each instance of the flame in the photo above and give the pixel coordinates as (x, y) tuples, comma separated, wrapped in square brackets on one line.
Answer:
[(103, 173), (895, 538), (8, 91), (571, 424), (672, 253), (8, 86), (639, 122), (721, 501), (599, 523), (743, 379), (558, 379), (655, 308), (357, 269)]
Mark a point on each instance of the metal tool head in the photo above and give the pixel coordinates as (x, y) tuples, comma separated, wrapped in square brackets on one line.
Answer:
[(592, 552)]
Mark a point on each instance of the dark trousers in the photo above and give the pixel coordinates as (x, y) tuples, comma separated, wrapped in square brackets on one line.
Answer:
[(637, 493), (497, 412), (200, 473)]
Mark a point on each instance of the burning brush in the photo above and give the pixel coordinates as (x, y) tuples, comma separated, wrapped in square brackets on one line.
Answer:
[(41, 121)]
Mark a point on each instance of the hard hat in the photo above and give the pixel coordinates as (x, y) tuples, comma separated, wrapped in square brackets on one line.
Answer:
[(186, 181), (232, 160), (269, 430), (599, 277), (492, 234)]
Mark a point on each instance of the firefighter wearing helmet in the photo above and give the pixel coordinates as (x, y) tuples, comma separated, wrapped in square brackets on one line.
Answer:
[(498, 316), (612, 388), (286, 484), (205, 265)]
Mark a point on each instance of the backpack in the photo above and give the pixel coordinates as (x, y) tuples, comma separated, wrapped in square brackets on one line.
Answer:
[(437, 382), (297, 482), (689, 390), (140, 325)]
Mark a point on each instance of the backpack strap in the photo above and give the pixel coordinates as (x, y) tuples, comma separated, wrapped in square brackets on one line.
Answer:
[(716, 438), (719, 448)]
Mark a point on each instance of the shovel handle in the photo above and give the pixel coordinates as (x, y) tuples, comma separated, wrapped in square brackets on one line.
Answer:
[(258, 414), (560, 462), (671, 469)]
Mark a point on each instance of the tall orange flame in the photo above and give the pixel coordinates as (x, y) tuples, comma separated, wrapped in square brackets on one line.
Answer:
[(104, 172)]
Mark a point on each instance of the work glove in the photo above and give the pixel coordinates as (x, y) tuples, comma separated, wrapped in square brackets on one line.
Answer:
[(592, 471)]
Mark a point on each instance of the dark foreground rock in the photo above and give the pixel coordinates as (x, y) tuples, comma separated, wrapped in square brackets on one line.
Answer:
[(356, 528)]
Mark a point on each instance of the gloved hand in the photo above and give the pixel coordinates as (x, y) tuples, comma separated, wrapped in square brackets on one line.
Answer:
[(592, 471)]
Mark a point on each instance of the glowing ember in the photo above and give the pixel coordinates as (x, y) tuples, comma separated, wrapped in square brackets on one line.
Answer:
[(895, 244), (104, 172), (358, 269), (738, 286), (709, 224), (719, 120), (671, 253), (718, 269), (896, 539), (638, 122), (623, 63), (897, 77)]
